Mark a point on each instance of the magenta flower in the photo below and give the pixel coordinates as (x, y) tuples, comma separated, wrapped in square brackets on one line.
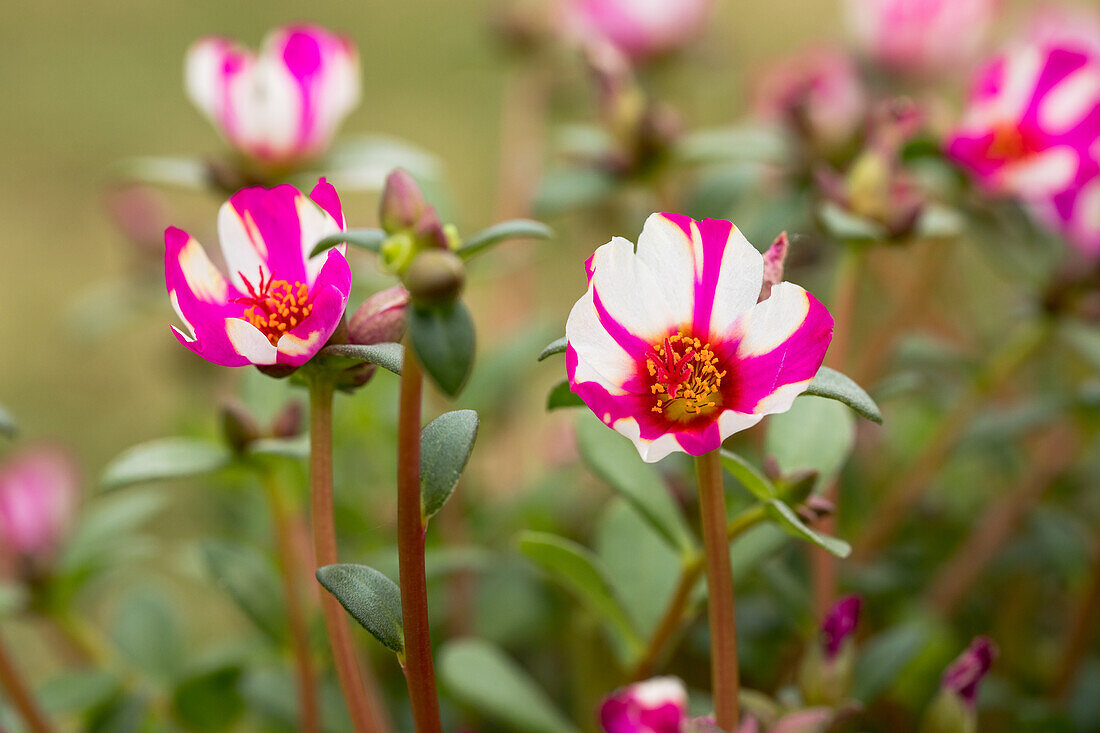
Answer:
[(840, 623), (965, 674), (1032, 126), (658, 705), (638, 28), (1076, 214), (39, 490), (282, 104), (669, 346), (818, 92), (921, 36), (279, 305)]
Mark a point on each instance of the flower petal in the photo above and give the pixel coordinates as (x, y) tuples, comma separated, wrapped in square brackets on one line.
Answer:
[(299, 345), (628, 299), (259, 230), (593, 354), (249, 342)]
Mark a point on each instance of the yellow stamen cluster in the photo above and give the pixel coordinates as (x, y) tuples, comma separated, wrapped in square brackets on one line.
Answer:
[(281, 307), (698, 390)]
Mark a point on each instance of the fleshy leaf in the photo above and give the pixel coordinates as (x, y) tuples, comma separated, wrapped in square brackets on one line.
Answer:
[(756, 482), (833, 385), (250, 581), (167, 458), (387, 355), (443, 338), (562, 396), (445, 446), (368, 239), (579, 571), (210, 700), (614, 459), (370, 597), (479, 675), (296, 447), (814, 435), (554, 347), (845, 226), (7, 423), (793, 525), (511, 229)]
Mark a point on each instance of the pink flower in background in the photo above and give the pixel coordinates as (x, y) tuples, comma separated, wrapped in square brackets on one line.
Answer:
[(1032, 125), (282, 104), (279, 305), (638, 28), (921, 36), (658, 705), (39, 490), (1062, 26), (818, 92), (840, 623), (965, 674), (1076, 215), (669, 346)]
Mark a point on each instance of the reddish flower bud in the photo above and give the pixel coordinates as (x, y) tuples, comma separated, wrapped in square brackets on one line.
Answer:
[(402, 204), (965, 674), (288, 422), (840, 623), (773, 265), (238, 425), (658, 705), (380, 318), (39, 490)]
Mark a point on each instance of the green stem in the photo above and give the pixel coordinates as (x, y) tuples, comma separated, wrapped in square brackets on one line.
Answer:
[(678, 606), (20, 695), (902, 496), (324, 542), (723, 632), (290, 566), (411, 530)]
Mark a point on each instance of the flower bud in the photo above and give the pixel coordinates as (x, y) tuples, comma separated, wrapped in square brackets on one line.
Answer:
[(952, 711), (773, 265), (39, 490), (825, 675), (402, 203), (288, 422), (435, 276), (238, 426), (658, 705), (814, 508), (380, 318)]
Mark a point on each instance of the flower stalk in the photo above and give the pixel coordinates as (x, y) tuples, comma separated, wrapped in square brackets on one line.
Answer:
[(723, 632), (411, 530), (324, 542), (20, 695)]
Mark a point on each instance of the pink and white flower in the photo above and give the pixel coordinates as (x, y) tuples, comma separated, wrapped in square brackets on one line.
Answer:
[(670, 347), (279, 305), (921, 36), (638, 28), (818, 92), (282, 104), (39, 490), (658, 705), (1032, 126)]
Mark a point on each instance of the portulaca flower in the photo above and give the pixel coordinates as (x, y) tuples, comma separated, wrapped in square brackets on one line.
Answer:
[(638, 28), (1032, 126), (279, 305), (39, 491), (282, 104), (921, 36), (670, 347), (658, 705)]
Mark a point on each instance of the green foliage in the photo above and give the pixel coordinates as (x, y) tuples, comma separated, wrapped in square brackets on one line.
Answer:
[(443, 337), (757, 483), (251, 581), (814, 435), (389, 356), (786, 518), (369, 240), (557, 346), (562, 396), (445, 446), (210, 700), (480, 676), (505, 230), (165, 459), (371, 598), (836, 386), (8, 426)]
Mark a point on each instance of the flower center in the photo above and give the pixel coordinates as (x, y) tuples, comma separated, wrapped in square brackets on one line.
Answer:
[(1010, 143), (686, 380), (275, 306)]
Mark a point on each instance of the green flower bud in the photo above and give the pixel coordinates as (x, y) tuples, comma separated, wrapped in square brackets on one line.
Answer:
[(436, 276)]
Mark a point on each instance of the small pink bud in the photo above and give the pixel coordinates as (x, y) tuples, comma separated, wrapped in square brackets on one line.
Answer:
[(965, 674), (840, 623), (238, 425), (638, 28), (815, 508), (658, 705), (773, 264), (380, 318), (288, 422), (39, 490)]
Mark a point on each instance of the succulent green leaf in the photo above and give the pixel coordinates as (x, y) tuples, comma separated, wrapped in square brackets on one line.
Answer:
[(387, 355), (554, 347), (793, 525), (250, 581), (756, 482), (8, 426), (445, 446), (368, 239), (479, 675), (562, 396), (370, 597), (511, 229), (845, 226), (164, 459), (814, 435), (833, 385), (443, 338), (579, 571), (209, 701), (613, 459)]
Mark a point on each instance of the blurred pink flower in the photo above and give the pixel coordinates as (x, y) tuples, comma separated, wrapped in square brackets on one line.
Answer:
[(964, 675), (840, 623), (1075, 214), (818, 92), (1063, 26), (638, 28), (921, 36), (658, 705), (282, 104), (279, 305), (670, 347), (39, 490)]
